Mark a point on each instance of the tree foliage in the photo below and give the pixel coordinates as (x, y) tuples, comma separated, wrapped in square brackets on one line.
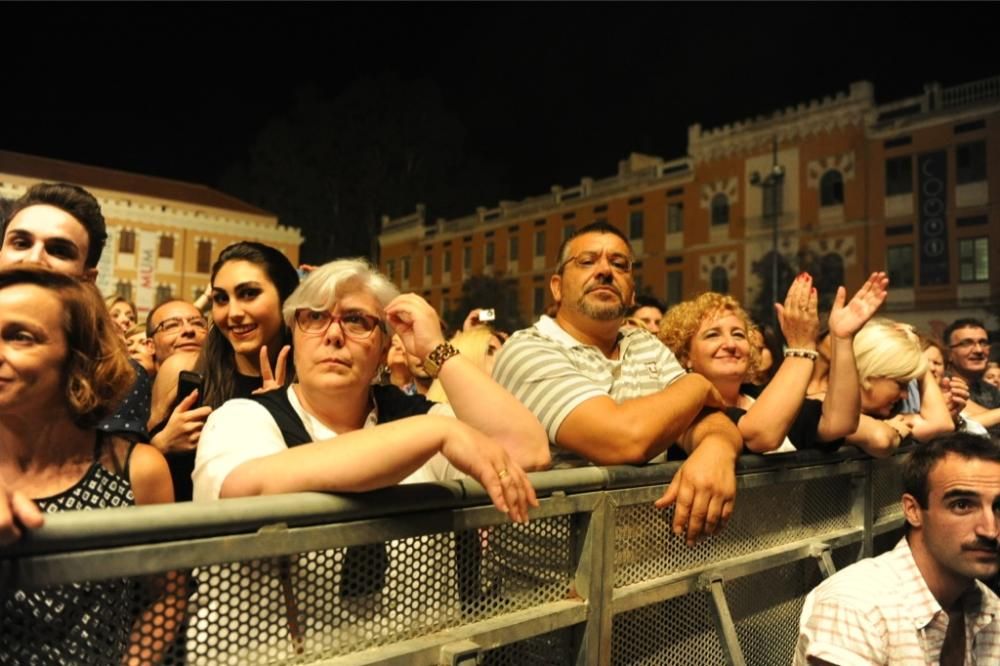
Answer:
[(485, 291), (334, 167)]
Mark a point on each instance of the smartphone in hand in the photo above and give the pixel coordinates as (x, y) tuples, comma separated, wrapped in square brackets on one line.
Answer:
[(187, 382)]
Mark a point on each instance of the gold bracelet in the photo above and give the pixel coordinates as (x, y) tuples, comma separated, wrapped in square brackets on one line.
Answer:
[(802, 353)]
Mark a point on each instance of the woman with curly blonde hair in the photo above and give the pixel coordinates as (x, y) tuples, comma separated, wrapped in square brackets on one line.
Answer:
[(711, 335)]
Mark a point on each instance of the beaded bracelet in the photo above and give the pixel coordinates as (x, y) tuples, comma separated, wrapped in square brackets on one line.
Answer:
[(802, 353)]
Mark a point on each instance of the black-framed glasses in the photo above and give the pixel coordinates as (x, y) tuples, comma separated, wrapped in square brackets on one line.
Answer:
[(357, 325), (620, 263), (174, 324), (969, 343)]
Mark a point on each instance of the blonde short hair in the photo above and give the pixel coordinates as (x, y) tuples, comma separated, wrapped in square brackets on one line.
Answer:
[(681, 323), (883, 349)]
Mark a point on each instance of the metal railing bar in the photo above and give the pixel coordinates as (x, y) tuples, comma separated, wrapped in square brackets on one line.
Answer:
[(492, 633), (660, 589)]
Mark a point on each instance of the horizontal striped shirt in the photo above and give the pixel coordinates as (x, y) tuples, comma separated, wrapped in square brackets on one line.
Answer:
[(552, 372), (880, 611)]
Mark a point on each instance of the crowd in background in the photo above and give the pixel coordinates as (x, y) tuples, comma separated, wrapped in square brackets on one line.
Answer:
[(283, 380)]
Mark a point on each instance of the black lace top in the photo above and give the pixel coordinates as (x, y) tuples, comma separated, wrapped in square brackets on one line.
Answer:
[(76, 623)]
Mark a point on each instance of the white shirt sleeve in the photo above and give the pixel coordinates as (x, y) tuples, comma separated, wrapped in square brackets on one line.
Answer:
[(238, 431)]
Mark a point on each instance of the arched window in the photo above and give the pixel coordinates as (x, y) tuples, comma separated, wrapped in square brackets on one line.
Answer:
[(720, 209), (720, 280), (831, 189)]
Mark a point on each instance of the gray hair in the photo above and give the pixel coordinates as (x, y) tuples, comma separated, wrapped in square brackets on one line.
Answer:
[(324, 286)]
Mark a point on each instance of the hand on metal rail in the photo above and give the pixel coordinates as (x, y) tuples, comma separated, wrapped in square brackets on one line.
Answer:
[(703, 491), (16, 513), (489, 463)]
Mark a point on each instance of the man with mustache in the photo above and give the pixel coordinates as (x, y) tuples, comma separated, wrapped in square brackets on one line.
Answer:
[(923, 602), (612, 395)]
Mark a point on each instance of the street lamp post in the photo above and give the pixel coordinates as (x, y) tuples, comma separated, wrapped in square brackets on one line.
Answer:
[(770, 186)]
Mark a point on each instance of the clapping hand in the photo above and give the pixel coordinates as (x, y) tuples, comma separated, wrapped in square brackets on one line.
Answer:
[(847, 320), (798, 316)]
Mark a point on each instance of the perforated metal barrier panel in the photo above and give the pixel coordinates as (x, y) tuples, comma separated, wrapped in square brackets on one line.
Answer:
[(596, 578)]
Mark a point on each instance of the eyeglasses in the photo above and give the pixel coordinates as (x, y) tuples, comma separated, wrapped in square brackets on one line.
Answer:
[(969, 343), (174, 324), (620, 263), (357, 325)]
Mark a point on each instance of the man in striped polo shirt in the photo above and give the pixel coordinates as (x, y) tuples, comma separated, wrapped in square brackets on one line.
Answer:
[(610, 395), (923, 602)]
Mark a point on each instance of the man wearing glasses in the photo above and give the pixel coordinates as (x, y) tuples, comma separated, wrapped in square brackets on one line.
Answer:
[(612, 395), (968, 355), (175, 326)]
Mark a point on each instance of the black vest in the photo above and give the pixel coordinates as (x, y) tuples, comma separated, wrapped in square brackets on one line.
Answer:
[(364, 567)]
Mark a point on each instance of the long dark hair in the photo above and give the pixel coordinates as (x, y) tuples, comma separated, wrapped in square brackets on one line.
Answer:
[(217, 360)]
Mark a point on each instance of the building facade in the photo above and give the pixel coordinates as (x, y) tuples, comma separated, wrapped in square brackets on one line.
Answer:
[(840, 186), (163, 235)]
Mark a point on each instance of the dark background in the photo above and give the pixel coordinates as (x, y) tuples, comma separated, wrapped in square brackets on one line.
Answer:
[(333, 114)]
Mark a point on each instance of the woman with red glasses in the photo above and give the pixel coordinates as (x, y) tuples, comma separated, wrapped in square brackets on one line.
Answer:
[(336, 429)]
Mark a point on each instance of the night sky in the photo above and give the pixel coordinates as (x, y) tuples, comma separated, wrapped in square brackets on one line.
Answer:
[(547, 93)]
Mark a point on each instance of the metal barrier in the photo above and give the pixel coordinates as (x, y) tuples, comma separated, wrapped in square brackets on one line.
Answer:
[(595, 578)]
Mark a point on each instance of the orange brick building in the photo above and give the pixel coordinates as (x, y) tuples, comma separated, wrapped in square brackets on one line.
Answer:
[(904, 187), (163, 235)]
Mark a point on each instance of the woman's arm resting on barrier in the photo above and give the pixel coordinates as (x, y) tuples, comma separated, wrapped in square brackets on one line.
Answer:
[(382, 456), (704, 488), (934, 418), (474, 396), (879, 438)]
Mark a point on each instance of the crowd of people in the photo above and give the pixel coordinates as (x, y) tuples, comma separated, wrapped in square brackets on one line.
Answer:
[(337, 382)]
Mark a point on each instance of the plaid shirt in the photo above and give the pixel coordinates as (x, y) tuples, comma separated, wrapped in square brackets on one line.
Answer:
[(880, 611)]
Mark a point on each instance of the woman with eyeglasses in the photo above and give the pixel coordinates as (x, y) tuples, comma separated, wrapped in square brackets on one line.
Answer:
[(244, 351), (340, 318), (336, 430)]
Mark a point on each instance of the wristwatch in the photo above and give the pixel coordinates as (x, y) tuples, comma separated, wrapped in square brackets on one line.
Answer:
[(437, 357)]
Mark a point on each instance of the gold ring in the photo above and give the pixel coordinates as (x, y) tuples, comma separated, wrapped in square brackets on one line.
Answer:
[(502, 473)]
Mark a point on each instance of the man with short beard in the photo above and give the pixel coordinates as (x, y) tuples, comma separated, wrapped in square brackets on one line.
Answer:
[(612, 395)]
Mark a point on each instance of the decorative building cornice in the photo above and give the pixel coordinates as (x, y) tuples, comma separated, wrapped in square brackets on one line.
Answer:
[(789, 125)]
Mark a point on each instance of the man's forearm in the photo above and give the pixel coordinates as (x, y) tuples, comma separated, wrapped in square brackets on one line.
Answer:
[(713, 426)]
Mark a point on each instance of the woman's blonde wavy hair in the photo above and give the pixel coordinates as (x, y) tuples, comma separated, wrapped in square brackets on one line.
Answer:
[(681, 324), (97, 373)]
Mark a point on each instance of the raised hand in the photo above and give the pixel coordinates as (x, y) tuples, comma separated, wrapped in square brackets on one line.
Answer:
[(798, 317), (416, 323), (847, 320), (275, 379)]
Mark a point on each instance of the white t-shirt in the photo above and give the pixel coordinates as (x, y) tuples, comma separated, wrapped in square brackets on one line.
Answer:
[(242, 430)]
